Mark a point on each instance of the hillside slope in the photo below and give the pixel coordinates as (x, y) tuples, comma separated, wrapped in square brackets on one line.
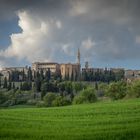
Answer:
[(118, 120)]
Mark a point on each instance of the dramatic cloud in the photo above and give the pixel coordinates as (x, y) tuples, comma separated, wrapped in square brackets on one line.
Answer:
[(32, 43), (104, 30)]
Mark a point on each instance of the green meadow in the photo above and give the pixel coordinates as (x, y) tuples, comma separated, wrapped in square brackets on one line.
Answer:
[(108, 120)]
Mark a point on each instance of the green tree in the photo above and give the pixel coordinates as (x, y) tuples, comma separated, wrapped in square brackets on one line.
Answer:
[(3, 97), (49, 98), (26, 86), (9, 86), (77, 86), (60, 101), (29, 74), (133, 89), (96, 85), (38, 82), (48, 74), (85, 96), (10, 77), (68, 87), (119, 75), (15, 76), (20, 86), (5, 83), (79, 99), (0, 82), (89, 94), (41, 75), (23, 75), (117, 90), (44, 89), (13, 85), (102, 89)]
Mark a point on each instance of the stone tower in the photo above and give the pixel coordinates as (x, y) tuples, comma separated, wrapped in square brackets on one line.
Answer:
[(86, 64), (78, 56)]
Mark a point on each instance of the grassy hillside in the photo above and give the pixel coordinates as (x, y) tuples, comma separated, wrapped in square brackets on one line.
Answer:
[(118, 120)]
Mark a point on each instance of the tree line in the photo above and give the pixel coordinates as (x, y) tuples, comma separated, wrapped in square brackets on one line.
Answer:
[(105, 76)]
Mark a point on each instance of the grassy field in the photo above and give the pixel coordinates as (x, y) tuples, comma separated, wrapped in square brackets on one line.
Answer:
[(118, 120)]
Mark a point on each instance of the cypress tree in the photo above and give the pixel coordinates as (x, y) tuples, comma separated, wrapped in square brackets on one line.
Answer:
[(49, 74), (13, 86), (9, 85), (29, 74), (21, 86), (5, 83), (23, 75), (0, 82)]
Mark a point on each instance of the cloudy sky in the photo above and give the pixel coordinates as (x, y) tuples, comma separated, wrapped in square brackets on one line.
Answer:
[(106, 31)]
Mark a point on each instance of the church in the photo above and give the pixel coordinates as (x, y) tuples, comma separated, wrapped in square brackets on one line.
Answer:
[(67, 70)]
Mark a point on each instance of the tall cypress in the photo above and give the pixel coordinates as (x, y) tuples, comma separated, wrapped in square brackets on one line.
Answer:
[(29, 74), (0, 82), (5, 83)]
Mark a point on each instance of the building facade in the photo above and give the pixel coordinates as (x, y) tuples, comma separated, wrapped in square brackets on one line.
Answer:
[(54, 67), (7, 71), (70, 71), (132, 75), (67, 70)]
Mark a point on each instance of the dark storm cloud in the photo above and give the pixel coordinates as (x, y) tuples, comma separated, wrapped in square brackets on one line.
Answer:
[(103, 29), (96, 9), (128, 6), (9, 7)]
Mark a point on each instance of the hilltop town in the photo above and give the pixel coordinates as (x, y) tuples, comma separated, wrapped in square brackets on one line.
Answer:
[(68, 71)]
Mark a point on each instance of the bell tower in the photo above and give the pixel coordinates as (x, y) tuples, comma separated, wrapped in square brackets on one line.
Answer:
[(78, 56)]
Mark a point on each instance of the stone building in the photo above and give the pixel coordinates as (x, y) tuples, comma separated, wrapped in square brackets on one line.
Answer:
[(132, 75), (5, 73), (67, 70), (116, 70), (70, 71), (54, 67), (8, 70)]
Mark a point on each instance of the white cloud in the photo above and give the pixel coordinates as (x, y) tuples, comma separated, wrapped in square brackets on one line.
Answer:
[(79, 8), (58, 24), (88, 44), (88, 49), (50, 34), (68, 49), (32, 43)]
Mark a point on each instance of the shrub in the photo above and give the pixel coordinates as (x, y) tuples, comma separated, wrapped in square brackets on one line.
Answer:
[(22, 96), (87, 95), (66, 101), (79, 99), (133, 90), (40, 104), (3, 98), (117, 90), (60, 101), (18, 92), (26, 86), (78, 86), (8, 103), (49, 98), (102, 88), (31, 102), (7, 98)]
